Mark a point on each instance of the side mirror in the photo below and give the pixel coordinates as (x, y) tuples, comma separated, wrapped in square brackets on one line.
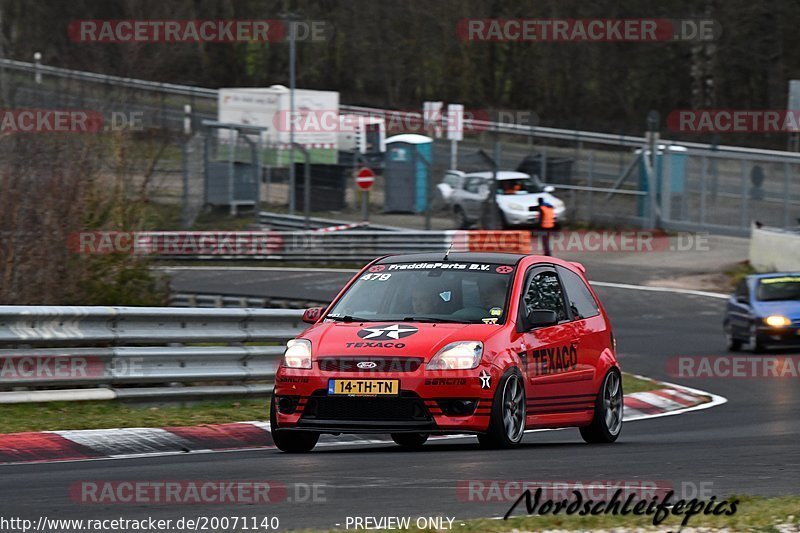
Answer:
[(312, 314), (742, 299), (549, 188), (540, 318)]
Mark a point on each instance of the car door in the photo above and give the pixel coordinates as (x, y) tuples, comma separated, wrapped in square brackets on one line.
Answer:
[(474, 196), (592, 332), (549, 354), (740, 313)]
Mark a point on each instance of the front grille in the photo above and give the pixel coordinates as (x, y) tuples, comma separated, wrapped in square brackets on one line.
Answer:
[(406, 407), (382, 364)]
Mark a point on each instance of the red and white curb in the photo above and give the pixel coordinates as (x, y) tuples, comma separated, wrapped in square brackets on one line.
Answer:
[(53, 446)]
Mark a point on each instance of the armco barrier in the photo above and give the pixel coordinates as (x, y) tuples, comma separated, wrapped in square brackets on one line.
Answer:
[(138, 352), (773, 249), (282, 222), (353, 245)]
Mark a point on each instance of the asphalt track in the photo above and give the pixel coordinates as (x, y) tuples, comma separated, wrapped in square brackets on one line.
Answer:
[(748, 445)]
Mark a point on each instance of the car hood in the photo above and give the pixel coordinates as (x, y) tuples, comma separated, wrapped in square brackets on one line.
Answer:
[(413, 339), (788, 308)]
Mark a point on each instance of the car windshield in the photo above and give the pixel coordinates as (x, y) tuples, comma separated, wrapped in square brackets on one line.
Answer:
[(520, 186), (446, 291), (777, 289)]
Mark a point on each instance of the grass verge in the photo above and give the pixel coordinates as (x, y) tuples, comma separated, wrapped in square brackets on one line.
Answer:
[(16, 418), (631, 383)]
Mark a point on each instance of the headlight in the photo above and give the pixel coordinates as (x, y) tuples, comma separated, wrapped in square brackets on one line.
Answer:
[(297, 354), (777, 321), (461, 355), (515, 207)]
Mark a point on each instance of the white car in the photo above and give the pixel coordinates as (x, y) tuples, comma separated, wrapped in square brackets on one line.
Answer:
[(517, 197)]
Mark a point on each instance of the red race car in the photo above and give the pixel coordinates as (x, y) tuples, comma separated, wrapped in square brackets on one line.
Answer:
[(485, 343)]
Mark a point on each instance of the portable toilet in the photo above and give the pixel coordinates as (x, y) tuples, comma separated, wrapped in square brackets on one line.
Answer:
[(406, 173), (670, 180)]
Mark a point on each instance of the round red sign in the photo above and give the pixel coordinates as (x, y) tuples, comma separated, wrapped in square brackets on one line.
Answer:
[(365, 178)]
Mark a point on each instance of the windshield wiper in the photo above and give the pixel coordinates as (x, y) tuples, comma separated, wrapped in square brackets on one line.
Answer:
[(433, 320), (347, 318)]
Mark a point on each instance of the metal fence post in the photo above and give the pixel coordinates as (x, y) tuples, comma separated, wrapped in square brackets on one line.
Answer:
[(590, 181), (703, 164), (185, 223), (786, 195), (745, 205), (37, 61)]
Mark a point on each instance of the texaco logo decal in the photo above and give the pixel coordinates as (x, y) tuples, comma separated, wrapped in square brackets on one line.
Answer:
[(503, 269), (386, 333)]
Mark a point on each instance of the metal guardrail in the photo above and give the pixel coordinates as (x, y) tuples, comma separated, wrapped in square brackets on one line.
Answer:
[(345, 246), (129, 347), (183, 299), (278, 221), (350, 246), (119, 81)]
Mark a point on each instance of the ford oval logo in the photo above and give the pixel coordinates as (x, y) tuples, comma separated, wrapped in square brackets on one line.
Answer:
[(366, 364)]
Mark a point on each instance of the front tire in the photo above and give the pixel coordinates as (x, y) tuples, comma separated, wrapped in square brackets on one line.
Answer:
[(756, 341), (290, 441), (607, 422), (734, 344), (507, 421), (412, 441)]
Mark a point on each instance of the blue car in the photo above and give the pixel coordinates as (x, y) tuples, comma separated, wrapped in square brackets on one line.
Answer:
[(764, 311)]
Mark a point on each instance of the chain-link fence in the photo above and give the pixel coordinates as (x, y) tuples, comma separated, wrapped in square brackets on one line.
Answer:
[(599, 176)]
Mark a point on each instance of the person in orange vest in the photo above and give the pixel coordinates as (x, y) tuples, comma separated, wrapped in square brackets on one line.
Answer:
[(547, 223)]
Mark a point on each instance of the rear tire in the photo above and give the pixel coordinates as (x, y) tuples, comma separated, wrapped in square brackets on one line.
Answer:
[(734, 345), (412, 441), (290, 441), (507, 421), (607, 422)]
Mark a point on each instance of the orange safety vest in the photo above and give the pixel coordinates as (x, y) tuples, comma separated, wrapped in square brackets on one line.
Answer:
[(547, 217)]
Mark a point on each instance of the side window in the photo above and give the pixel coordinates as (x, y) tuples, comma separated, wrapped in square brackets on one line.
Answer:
[(544, 292), (452, 180), (581, 301), (472, 184)]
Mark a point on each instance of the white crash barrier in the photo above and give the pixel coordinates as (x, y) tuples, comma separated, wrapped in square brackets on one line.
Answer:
[(774, 249)]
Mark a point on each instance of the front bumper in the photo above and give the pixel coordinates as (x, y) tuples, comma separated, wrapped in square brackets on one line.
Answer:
[(431, 402), (530, 218), (786, 336)]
